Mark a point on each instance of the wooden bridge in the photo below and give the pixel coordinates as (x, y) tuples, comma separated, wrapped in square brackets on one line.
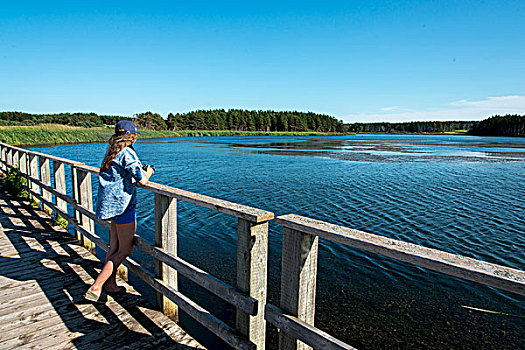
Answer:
[(44, 270), (44, 274)]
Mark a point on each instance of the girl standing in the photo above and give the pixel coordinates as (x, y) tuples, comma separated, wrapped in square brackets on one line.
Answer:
[(119, 174)]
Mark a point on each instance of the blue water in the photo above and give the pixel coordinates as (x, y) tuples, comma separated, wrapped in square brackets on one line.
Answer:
[(461, 194)]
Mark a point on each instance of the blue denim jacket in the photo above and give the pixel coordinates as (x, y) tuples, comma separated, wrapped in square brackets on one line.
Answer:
[(117, 185)]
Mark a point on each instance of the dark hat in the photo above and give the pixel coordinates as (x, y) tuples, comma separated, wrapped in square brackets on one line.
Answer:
[(125, 127)]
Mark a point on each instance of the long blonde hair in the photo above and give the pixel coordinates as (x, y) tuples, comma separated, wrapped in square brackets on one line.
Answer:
[(117, 144)]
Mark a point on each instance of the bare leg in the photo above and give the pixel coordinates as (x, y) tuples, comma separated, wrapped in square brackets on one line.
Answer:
[(111, 283), (125, 235)]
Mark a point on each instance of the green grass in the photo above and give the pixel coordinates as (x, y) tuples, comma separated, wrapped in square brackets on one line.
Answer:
[(455, 132), (60, 221), (62, 134)]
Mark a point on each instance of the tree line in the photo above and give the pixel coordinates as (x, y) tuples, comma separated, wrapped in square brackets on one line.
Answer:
[(245, 120), (86, 120), (410, 127), (267, 121), (508, 125), (215, 119)]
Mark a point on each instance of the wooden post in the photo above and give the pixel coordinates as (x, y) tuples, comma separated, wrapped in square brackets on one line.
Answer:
[(16, 159), (166, 238), (59, 175), (252, 262), (22, 161), (45, 176), (298, 281), (9, 158), (74, 187), (33, 172), (2, 157), (85, 199)]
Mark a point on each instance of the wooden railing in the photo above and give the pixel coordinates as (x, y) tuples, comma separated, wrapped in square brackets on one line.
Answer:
[(295, 314), (299, 272)]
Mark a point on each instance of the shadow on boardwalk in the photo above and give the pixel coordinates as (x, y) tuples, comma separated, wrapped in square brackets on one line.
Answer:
[(44, 273)]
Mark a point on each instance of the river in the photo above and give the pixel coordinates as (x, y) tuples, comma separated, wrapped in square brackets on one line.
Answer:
[(461, 194)]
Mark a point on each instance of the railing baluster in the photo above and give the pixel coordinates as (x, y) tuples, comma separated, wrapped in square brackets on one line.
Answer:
[(22, 162), (298, 281), (45, 177), (33, 172), (74, 194), (85, 199), (2, 158), (166, 238), (16, 159), (59, 175), (9, 156), (252, 262)]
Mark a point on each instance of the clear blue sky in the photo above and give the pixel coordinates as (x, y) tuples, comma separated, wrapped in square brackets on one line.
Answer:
[(355, 60)]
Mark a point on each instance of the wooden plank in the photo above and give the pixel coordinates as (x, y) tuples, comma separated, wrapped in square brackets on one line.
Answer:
[(31, 309), (223, 206), (501, 277), (297, 328), (166, 239), (202, 278), (32, 304), (78, 317), (29, 290), (54, 331), (252, 264), (298, 281)]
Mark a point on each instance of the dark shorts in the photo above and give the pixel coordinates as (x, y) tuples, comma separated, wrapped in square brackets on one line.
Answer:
[(126, 217)]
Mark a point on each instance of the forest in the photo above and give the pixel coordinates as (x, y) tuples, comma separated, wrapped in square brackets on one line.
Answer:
[(245, 120), (216, 119), (508, 125), (269, 121), (410, 127), (86, 120)]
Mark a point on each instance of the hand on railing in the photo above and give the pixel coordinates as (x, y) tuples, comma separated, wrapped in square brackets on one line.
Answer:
[(149, 171)]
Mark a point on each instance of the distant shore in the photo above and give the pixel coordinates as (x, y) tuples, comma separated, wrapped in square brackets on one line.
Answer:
[(55, 134)]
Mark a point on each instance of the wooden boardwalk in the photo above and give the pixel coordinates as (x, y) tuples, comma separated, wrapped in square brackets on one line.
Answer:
[(44, 273)]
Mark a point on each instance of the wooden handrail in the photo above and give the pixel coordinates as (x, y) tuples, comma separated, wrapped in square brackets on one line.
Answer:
[(299, 273), (493, 275), (245, 212), (48, 156), (242, 211)]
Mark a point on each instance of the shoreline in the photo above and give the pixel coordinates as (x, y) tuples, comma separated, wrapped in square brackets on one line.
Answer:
[(56, 134)]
